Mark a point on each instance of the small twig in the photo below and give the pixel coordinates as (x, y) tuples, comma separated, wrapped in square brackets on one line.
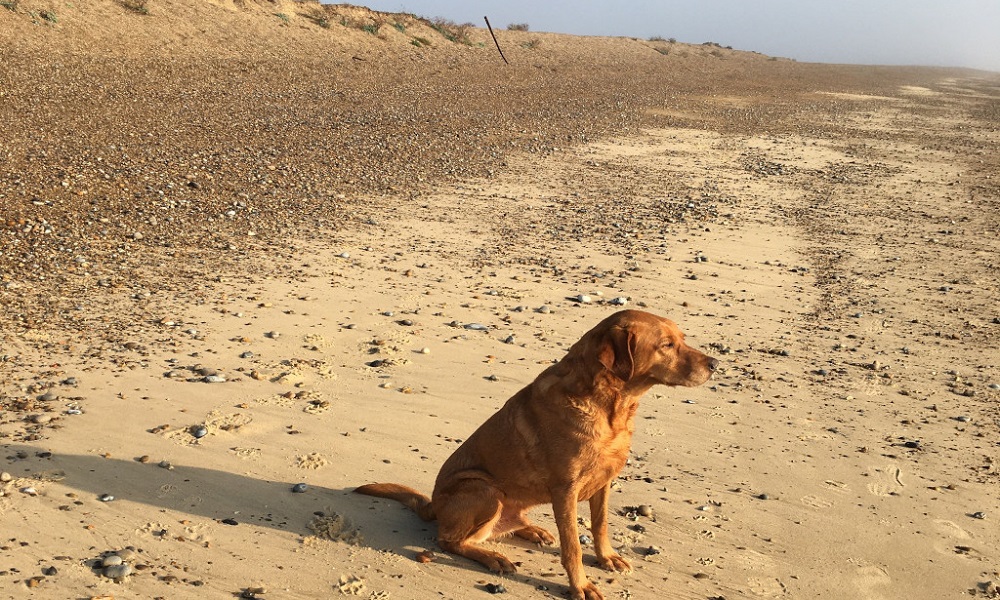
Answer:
[(490, 27)]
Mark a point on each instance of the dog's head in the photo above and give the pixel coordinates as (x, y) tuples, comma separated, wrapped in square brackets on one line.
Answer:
[(639, 346)]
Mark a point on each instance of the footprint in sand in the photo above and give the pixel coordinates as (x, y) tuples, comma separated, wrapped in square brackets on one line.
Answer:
[(953, 533), (885, 481), (871, 580), (766, 587), (314, 460), (815, 501), (245, 452)]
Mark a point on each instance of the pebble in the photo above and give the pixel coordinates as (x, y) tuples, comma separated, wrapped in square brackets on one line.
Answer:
[(644, 510), (272, 335), (763, 497), (48, 397), (425, 350), (495, 588), (543, 309), (126, 553), (492, 378), (199, 431), (914, 444), (105, 497), (581, 298), (118, 572), (978, 515), (344, 255), (166, 465), (5, 477), (41, 419), (214, 379), (995, 386), (111, 560), (652, 550), (510, 339), (585, 539), (74, 411), (405, 322), (963, 419), (476, 327), (29, 491), (300, 488), (247, 354), (619, 301)]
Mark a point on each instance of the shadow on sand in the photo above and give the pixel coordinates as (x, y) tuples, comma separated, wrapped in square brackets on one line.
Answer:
[(232, 498)]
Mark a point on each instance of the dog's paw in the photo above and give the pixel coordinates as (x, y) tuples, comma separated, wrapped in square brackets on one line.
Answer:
[(536, 534), (589, 591), (498, 563), (614, 562)]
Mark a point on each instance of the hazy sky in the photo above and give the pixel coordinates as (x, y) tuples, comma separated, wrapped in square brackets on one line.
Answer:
[(899, 32)]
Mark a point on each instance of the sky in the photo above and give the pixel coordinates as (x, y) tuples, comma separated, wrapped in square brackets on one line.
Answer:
[(962, 33)]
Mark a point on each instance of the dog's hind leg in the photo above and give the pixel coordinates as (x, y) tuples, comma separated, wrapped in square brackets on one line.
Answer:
[(468, 512)]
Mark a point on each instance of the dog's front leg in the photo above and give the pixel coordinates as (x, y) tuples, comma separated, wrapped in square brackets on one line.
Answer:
[(606, 556), (564, 501)]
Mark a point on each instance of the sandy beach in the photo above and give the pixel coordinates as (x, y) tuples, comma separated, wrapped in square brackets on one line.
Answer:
[(323, 256)]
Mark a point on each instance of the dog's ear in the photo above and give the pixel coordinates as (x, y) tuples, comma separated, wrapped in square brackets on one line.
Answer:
[(616, 352)]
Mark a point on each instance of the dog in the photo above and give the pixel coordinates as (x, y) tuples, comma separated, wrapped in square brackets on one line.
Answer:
[(561, 440)]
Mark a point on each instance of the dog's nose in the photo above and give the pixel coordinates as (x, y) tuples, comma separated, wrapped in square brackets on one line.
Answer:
[(713, 364)]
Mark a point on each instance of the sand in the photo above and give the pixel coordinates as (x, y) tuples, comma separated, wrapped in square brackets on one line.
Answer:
[(829, 233)]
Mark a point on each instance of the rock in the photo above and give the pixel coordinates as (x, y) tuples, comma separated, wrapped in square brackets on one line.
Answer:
[(644, 510), (118, 572), (619, 301), (111, 560), (214, 379), (106, 498), (199, 431), (126, 553), (300, 488)]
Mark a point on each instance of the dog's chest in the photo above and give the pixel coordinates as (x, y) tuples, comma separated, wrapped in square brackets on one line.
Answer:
[(605, 458)]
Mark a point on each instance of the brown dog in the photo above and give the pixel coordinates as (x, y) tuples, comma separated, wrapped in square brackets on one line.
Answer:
[(560, 440)]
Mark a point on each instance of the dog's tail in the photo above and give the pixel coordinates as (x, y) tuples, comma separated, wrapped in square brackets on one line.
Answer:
[(410, 497)]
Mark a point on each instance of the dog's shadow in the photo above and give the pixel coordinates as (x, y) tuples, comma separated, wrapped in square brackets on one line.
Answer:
[(236, 499)]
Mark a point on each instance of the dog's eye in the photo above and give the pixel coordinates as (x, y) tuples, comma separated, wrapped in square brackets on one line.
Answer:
[(667, 345)]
